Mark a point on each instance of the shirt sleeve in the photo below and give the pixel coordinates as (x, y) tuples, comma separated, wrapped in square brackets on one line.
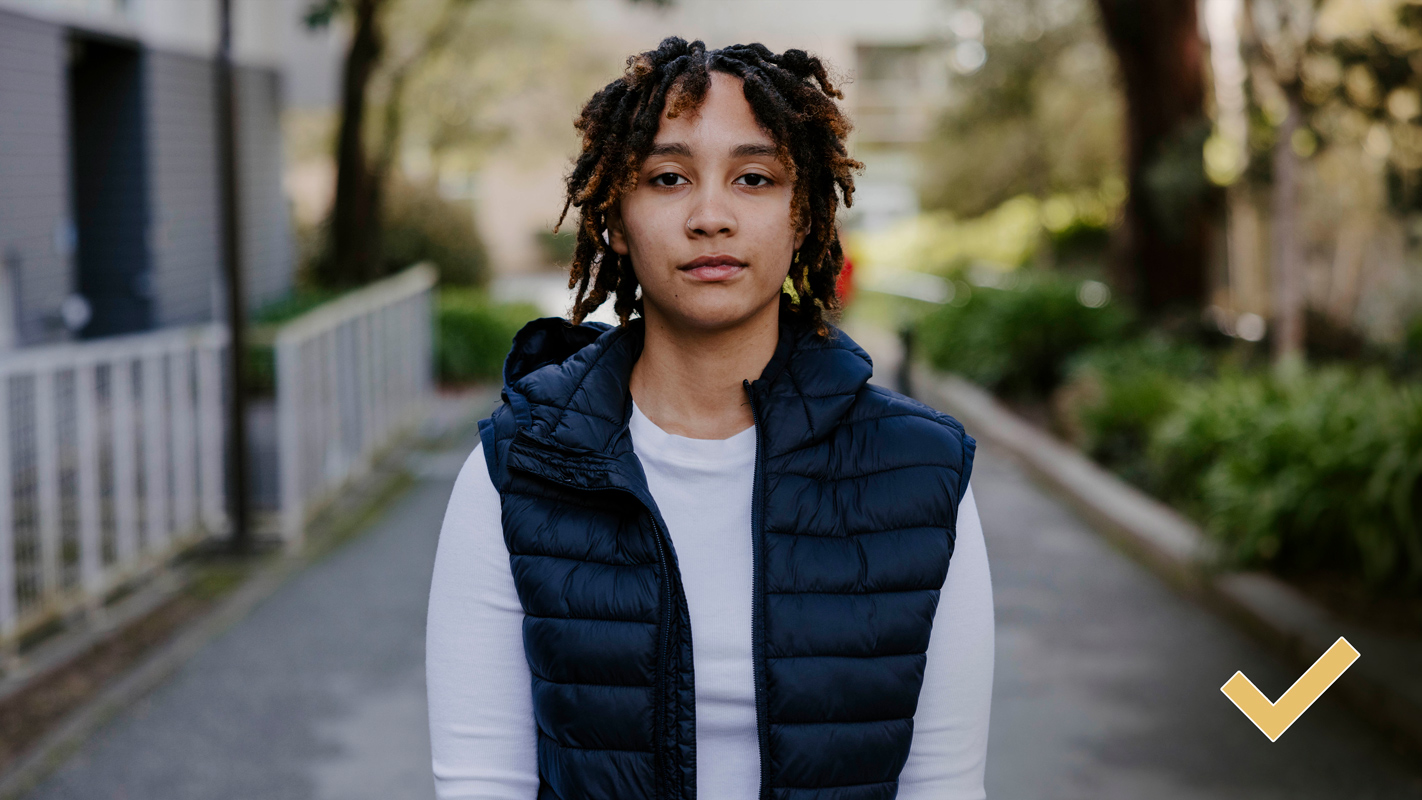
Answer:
[(482, 735), (948, 755)]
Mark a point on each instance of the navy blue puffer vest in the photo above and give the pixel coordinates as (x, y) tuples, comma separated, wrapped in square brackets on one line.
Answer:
[(855, 504)]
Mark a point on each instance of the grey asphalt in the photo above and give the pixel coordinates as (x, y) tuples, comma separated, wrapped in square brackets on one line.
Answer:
[(319, 694), (1107, 683)]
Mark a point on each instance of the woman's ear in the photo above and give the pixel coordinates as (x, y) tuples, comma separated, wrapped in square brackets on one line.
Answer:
[(616, 231), (800, 237)]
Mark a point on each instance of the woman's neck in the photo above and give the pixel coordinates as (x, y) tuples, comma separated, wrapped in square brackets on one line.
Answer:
[(690, 382)]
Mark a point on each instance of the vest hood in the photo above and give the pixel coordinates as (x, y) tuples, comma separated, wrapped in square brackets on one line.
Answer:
[(568, 384)]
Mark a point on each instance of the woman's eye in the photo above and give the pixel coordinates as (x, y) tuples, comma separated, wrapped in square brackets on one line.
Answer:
[(755, 179), (668, 179)]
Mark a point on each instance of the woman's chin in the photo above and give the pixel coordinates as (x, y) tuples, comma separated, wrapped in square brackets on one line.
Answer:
[(714, 314)]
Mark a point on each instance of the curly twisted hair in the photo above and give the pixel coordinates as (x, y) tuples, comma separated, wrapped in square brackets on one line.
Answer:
[(792, 98)]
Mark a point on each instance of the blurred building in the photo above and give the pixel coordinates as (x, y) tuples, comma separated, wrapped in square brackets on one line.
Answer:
[(110, 205)]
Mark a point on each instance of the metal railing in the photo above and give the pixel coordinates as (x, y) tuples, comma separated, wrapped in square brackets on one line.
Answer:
[(351, 376), (111, 460)]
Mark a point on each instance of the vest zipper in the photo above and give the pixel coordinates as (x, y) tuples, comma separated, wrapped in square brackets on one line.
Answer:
[(762, 728), (663, 630)]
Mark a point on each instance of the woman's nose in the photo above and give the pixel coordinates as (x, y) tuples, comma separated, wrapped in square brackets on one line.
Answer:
[(711, 215)]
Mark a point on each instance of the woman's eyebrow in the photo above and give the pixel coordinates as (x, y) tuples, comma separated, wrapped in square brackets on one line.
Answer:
[(755, 150), (670, 149)]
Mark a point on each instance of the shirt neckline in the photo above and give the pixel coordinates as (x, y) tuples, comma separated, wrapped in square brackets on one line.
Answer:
[(648, 438)]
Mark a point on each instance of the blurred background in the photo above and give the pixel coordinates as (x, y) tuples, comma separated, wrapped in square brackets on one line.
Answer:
[(261, 260)]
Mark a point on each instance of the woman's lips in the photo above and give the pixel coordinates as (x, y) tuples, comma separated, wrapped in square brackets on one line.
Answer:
[(713, 268), (713, 273)]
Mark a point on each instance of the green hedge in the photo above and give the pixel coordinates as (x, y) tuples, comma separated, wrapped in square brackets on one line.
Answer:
[(1118, 394), (1312, 470), (1017, 341), (473, 334), (421, 225), (1318, 469)]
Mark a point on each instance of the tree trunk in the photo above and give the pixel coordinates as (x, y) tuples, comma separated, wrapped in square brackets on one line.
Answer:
[(1287, 262), (354, 244), (1161, 257), (386, 155)]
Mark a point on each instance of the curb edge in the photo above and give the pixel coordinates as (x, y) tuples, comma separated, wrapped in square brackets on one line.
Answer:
[(1176, 550)]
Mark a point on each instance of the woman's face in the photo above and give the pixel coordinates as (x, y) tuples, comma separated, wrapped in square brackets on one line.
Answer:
[(708, 226)]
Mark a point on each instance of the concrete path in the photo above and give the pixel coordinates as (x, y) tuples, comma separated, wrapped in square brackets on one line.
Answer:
[(1107, 683), (318, 695)]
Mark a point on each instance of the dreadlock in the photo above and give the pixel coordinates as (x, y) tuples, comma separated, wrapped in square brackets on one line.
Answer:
[(792, 98)]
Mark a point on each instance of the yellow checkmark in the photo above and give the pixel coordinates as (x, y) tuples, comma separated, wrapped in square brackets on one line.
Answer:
[(1275, 718)]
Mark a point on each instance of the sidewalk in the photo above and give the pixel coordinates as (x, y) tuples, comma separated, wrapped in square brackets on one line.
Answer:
[(319, 693), (1108, 682)]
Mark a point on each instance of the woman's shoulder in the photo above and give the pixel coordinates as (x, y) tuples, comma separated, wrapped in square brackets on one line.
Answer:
[(913, 418), (900, 431)]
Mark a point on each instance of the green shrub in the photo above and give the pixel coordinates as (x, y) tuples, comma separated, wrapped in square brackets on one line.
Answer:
[(292, 305), (1318, 469), (1017, 341), (422, 225), (556, 248), (259, 369), (1408, 357), (473, 334), (1117, 394)]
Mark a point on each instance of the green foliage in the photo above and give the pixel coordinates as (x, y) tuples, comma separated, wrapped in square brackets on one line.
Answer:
[(421, 225), (473, 334), (260, 369), (319, 14), (557, 248), (1075, 226), (1118, 394), (1304, 471), (292, 305), (1042, 114), (1408, 357), (1175, 182), (1017, 341)]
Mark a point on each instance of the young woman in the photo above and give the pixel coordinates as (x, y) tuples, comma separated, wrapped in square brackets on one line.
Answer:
[(715, 470)]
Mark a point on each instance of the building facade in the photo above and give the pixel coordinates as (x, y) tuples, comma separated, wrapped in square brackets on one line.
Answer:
[(110, 193)]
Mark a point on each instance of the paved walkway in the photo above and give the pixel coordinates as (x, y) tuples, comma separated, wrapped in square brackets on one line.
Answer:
[(1107, 683), (318, 695)]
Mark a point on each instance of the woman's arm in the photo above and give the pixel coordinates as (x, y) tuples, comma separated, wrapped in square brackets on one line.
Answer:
[(480, 691), (950, 727)]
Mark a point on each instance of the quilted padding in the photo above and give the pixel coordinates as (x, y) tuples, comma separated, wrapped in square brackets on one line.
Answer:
[(856, 502)]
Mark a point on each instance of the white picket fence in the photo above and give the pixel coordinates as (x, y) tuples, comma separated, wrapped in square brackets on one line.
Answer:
[(111, 459), (351, 377), (112, 452)]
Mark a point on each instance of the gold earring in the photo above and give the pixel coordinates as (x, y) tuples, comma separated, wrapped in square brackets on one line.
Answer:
[(797, 257)]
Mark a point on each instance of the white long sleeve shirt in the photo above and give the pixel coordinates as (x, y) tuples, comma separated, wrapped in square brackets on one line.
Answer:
[(480, 688)]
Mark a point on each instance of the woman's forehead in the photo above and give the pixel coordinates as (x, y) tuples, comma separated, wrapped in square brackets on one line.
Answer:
[(723, 120)]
